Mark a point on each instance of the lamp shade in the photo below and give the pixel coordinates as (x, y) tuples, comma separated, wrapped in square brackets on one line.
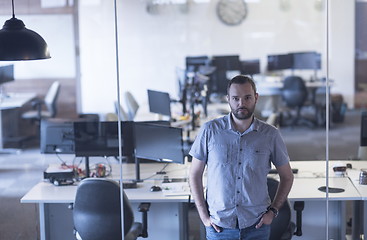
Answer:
[(19, 43)]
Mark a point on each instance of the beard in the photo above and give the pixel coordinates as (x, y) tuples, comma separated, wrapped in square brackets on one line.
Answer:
[(243, 113)]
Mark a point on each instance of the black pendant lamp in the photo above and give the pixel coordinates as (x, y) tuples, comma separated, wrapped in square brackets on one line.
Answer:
[(19, 43)]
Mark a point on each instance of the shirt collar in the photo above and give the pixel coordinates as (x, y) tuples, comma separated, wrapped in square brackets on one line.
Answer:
[(253, 127)]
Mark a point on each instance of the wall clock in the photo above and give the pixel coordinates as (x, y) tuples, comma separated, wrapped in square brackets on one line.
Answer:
[(232, 12)]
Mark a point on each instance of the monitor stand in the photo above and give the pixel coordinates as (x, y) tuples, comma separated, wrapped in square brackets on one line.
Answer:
[(87, 170)]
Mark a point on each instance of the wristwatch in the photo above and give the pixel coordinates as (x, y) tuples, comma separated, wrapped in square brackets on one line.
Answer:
[(274, 210)]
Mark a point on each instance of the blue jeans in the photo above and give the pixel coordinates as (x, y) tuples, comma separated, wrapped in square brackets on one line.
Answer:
[(249, 233)]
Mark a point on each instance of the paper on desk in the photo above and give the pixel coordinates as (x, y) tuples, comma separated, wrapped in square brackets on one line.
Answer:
[(175, 188)]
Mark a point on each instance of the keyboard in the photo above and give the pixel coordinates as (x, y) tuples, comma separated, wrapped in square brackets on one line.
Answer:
[(274, 171), (175, 188)]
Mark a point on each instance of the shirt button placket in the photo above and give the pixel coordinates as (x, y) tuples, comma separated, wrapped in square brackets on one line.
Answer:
[(238, 184)]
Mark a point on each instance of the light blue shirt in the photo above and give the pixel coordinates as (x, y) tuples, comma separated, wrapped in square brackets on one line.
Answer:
[(237, 168)]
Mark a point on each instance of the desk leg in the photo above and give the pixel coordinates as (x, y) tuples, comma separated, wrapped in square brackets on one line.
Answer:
[(166, 220), (2, 149), (314, 220), (365, 219), (42, 221), (56, 221)]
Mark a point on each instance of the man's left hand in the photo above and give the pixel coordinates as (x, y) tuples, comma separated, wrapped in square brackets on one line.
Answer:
[(267, 218)]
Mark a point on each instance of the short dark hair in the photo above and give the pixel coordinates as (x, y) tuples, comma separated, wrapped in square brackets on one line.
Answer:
[(241, 79)]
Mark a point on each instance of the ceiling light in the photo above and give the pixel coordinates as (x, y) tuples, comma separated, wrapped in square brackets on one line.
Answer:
[(19, 43)]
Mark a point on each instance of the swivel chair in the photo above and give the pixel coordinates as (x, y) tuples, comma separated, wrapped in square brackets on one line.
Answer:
[(123, 115), (96, 212), (281, 228), (295, 95), (50, 103), (132, 105)]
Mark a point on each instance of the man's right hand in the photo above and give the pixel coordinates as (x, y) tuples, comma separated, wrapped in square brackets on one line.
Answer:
[(207, 223)]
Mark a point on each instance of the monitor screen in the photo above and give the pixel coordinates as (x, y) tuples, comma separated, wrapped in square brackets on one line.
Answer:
[(6, 73), (280, 62), (57, 136), (101, 139), (193, 63), (158, 143), (307, 60), (159, 102), (250, 67), (227, 62)]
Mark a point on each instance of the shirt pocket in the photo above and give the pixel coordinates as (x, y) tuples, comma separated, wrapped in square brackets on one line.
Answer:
[(219, 153), (258, 158)]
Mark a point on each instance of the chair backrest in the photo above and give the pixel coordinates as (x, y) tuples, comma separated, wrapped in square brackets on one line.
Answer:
[(132, 105), (51, 98), (96, 210), (294, 91), (280, 224), (123, 114)]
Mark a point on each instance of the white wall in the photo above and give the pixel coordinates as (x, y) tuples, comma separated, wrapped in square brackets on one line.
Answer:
[(151, 46), (342, 51)]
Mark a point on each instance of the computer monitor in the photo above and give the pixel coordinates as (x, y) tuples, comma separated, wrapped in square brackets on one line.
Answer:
[(227, 62), (250, 67), (280, 62), (57, 136), (159, 102), (94, 139), (158, 143), (194, 62), (306, 60), (6, 74)]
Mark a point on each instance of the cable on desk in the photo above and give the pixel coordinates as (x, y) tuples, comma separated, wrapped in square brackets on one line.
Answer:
[(62, 161), (164, 167)]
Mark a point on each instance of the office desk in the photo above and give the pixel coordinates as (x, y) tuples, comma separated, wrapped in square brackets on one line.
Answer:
[(168, 214), (166, 217), (12, 101), (359, 207)]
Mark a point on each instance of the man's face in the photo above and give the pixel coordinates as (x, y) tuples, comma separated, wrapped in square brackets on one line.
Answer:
[(242, 100)]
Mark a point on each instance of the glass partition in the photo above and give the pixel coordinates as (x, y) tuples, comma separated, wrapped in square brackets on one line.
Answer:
[(189, 49)]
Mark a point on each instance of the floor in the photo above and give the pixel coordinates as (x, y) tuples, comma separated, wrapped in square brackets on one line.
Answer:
[(19, 172)]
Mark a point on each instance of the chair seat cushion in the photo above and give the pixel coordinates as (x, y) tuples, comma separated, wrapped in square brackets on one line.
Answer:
[(34, 115)]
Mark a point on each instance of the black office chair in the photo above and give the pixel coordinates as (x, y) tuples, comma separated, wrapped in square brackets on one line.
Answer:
[(96, 212), (295, 96), (281, 228)]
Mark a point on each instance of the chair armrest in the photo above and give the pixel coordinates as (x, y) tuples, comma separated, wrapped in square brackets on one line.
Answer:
[(298, 207), (144, 208), (36, 102)]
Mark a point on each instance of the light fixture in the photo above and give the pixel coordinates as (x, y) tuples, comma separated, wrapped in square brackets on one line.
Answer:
[(19, 43)]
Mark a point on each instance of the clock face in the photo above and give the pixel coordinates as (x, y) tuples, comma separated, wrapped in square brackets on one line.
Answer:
[(232, 12)]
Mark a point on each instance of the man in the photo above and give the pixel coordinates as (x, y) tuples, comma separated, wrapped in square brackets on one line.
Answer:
[(238, 150)]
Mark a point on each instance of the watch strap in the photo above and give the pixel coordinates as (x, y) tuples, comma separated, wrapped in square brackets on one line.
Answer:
[(274, 210)]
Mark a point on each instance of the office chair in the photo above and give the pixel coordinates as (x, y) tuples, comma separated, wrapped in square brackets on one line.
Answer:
[(49, 101), (281, 228), (96, 212), (295, 95), (123, 114), (132, 105)]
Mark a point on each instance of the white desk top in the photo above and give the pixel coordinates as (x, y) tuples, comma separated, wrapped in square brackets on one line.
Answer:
[(306, 183), (15, 100), (307, 189), (45, 192)]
